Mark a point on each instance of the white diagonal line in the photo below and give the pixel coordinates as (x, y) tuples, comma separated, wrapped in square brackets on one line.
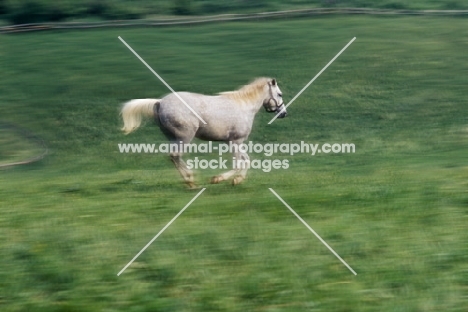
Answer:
[(310, 82), (313, 232), (162, 80), (160, 232)]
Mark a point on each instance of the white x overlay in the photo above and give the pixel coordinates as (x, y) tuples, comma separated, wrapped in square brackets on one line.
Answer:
[(201, 119), (313, 232), (162, 80), (313, 79), (160, 232)]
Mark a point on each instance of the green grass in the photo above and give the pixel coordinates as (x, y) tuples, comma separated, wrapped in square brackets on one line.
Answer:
[(18, 146), (396, 210)]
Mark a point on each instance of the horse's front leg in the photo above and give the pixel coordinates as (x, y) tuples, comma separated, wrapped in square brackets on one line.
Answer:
[(243, 165), (227, 175)]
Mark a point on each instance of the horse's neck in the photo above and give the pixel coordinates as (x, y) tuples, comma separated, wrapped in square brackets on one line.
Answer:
[(248, 103), (254, 105)]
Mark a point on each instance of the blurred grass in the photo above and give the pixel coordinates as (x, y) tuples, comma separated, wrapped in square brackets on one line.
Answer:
[(17, 146), (396, 210)]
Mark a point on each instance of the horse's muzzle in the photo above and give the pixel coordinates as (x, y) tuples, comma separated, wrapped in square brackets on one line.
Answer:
[(282, 109), (282, 115)]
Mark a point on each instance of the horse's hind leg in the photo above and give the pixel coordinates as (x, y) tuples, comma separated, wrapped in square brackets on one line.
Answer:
[(184, 171), (179, 137)]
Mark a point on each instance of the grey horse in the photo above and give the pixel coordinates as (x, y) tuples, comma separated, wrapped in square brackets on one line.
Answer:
[(225, 117)]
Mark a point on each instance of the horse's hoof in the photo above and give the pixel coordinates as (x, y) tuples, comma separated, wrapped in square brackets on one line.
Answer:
[(192, 186), (237, 180), (216, 179)]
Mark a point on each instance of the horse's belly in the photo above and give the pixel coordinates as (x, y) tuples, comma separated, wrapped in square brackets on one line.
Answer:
[(222, 133)]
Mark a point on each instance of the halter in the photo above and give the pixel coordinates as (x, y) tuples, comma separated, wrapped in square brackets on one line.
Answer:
[(278, 107)]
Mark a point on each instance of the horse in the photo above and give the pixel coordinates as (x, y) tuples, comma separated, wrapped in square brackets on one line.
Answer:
[(228, 118)]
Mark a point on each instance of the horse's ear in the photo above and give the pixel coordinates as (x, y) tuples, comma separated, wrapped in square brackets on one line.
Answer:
[(273, 82)]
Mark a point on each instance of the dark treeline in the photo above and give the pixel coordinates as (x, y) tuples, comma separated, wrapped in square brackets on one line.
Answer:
[(36, 11)]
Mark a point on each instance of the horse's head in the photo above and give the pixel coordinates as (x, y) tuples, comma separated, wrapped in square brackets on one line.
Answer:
[(274, 101)]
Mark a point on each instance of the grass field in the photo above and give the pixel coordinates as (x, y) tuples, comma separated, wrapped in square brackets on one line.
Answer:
[(396, 211)]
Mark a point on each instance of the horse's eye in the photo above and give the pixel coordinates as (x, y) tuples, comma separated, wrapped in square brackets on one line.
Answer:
[(280, 95)]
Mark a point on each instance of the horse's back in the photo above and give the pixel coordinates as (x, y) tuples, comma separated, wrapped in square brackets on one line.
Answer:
[(224, 120), (204, 105)]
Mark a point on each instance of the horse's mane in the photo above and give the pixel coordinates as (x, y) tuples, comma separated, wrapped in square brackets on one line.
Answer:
[(248, 92)]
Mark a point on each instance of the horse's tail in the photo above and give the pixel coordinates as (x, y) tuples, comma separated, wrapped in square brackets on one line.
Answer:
[(133, 111)]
